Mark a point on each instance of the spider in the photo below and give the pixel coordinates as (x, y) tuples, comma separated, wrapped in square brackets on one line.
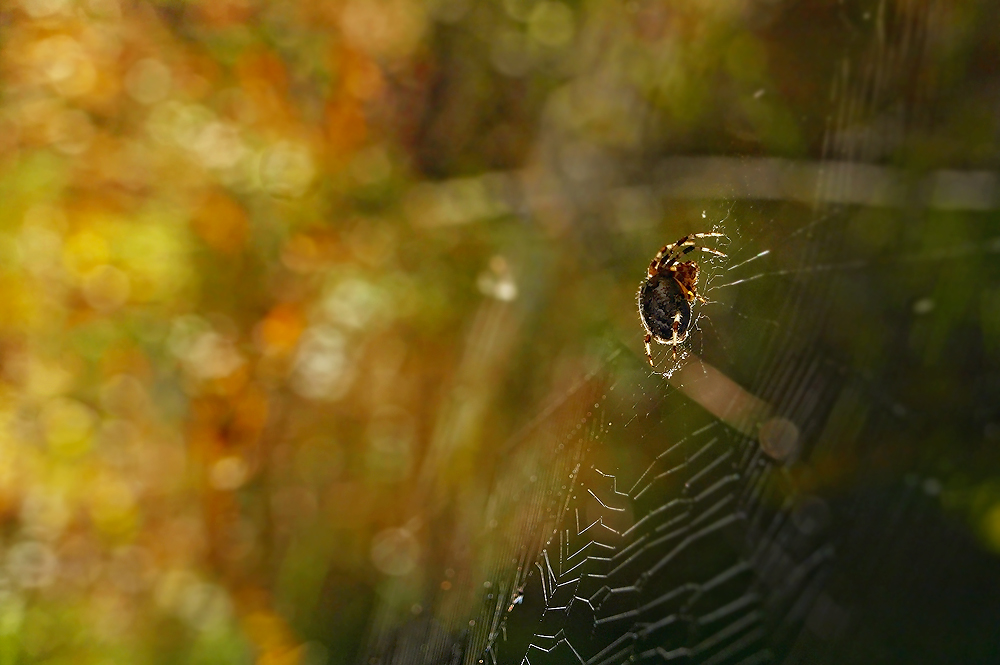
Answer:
[(668, 295)]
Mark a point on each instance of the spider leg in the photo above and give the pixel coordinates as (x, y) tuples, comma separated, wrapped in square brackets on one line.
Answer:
[(668, 251), (687, 240), (649, 352), (669, 254), (673, 337), (676, 255)]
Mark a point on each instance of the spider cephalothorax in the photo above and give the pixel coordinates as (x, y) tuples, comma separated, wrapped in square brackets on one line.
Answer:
[(668, 295)]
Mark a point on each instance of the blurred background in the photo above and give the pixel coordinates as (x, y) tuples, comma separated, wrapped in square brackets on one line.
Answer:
[(279, 282)]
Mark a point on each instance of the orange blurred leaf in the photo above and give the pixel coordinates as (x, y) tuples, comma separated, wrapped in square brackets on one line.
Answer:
[(222, 223), (281, 328)]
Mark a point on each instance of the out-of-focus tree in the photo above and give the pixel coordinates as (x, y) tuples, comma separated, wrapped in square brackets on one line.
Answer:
[(201, 250)]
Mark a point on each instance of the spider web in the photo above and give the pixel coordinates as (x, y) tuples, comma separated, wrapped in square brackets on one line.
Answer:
[(769, 505)]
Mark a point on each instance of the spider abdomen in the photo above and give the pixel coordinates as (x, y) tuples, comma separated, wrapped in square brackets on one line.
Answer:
[(660, 303)]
